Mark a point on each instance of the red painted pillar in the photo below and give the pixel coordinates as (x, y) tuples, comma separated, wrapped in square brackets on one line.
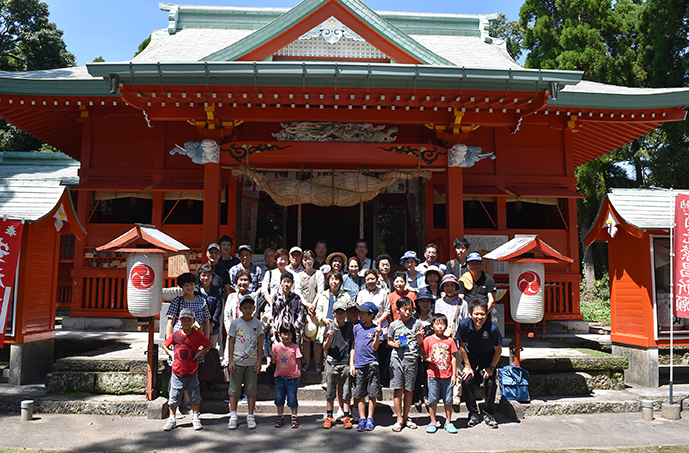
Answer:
[(211, 202), (455, 202)]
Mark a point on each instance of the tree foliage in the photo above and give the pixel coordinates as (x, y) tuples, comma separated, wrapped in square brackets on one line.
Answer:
[(28, 42), (510, 31)]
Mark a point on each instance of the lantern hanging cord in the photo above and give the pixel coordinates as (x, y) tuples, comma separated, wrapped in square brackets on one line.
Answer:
[(299, 225)]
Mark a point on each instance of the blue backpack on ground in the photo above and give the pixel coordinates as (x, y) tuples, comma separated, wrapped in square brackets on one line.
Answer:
[(513, 383)]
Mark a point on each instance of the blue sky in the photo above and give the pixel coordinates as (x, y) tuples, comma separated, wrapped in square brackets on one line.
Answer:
[(114, 30)]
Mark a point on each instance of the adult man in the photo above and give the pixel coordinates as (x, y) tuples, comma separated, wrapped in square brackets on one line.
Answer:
[(227, 259), (321, 253), (476, 282), (361, 250), (221, 277), (480, 345), (245, 256), (431, 255), (458, 266), (295, 260)]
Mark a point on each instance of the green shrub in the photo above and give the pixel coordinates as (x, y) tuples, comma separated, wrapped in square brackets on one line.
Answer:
[(595, 302)]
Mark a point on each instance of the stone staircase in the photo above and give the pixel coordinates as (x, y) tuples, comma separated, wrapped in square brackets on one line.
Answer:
[(97, 382)]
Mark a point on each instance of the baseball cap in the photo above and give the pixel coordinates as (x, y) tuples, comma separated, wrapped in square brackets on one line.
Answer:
[(369, 307), (247, 299), (340, 305), (212, 246), (187, 313), (295, 249), (245, 247), (473, 256)]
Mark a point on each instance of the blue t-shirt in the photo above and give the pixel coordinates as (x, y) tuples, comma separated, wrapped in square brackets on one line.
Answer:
[(363, 345)]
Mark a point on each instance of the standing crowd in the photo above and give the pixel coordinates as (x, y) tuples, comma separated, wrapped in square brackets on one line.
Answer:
[(425, 332)]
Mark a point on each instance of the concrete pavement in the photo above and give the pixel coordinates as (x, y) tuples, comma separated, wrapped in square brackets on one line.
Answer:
[(135, 434)]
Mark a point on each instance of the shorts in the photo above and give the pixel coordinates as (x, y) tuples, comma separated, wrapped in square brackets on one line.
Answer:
[(403, 373), (367, 382), (439, 387), (286, 387), (334, 375), (246, 375), (178, 384)]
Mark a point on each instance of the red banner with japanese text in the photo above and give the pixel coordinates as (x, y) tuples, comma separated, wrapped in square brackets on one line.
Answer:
[(681, 258), (10, 243)]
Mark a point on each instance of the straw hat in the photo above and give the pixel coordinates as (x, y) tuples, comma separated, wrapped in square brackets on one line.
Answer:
[(330, 257)]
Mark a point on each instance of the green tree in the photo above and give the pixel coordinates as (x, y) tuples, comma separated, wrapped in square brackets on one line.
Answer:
[(143, 45), (509, 31), (28, 42), (99, 59)]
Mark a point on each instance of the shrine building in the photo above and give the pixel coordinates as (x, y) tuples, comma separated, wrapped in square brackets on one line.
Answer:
[(328, 120)]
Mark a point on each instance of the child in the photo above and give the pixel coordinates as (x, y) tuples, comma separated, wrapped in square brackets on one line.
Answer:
[(337, 345), (451, 305), (189, 345), (245, 351), (440, 352), (363, 365), (287, 357), (424, 313), (404, 337)]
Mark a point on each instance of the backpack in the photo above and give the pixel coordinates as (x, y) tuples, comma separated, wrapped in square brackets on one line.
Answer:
[(513, 383)]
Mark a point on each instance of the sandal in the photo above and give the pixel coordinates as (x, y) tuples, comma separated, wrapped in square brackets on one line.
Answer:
[(295, 422), (431, 428), (411, 425), (280, 421), (397, 427)]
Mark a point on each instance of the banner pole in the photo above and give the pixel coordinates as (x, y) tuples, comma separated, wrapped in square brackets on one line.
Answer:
[(672, 288)]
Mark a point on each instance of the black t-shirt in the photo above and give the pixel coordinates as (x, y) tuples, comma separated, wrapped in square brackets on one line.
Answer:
[(228, 264), (480, 345), (484, 285), (341, 344), (458, 269)]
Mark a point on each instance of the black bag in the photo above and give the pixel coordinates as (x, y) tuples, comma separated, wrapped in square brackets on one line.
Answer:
[(209, 369)]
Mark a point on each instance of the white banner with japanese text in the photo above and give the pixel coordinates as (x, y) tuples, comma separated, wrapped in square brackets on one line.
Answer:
[(681, 258), (10, 243)]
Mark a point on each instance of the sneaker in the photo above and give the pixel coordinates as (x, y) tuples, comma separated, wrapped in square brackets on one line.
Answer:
[(490, 420), (362, 425), (369, 424), (233, 423), (226, 400), (170, 424), (305, 366), (294, 423), (347, 422), (431, 428), (196, 423), (450, 428), (339, 415), (328, 423), (279, 422), (473, 420), (319, 368), (251, 422)]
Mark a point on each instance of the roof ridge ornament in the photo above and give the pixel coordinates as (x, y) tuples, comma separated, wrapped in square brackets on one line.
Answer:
[(332, 30)]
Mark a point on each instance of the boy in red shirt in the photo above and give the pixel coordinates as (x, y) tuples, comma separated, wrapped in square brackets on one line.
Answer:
[(440, 352), (189, 345)]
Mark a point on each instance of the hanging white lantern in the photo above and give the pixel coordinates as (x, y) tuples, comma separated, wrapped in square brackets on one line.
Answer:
[(527, 287), (144, 284)]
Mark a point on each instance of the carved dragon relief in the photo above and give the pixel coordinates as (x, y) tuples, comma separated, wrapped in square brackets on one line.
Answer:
[(312, 131)]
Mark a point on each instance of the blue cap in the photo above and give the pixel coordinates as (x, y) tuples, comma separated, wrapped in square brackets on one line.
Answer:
[(424, 294), (473, 256), (369, 307), (409, 254)]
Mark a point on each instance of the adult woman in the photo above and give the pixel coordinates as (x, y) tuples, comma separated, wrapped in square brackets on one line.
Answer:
[(271, 279), (352, 282), (336, 261), (432, 276), (371, 292), (308, 284), (383, 263), (287, 309), (326, 300), (415, 280), (232, 310)]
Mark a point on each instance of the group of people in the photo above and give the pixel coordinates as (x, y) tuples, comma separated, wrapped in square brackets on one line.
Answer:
[(424, 332)]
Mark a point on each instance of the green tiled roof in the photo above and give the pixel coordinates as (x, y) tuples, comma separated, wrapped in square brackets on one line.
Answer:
[(307, 7)]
